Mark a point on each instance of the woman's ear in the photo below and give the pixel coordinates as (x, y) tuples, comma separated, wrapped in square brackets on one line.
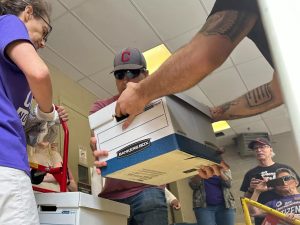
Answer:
[(27, 13)]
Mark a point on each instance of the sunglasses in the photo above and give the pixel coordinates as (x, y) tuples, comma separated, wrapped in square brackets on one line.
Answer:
[(130, 74), (287, 178)]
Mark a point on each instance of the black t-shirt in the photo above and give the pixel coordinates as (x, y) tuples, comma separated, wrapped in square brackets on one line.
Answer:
[(257, 34), (266, 172)]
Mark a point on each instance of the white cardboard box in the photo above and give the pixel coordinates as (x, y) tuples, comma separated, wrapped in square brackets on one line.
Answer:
[(76, 208), (165, 143)]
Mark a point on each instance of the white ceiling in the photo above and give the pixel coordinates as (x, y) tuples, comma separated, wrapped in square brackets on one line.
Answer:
[(87, 34)]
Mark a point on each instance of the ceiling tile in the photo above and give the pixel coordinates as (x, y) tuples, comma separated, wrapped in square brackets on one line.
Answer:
[(73, 3), (245, 51), (51, 57), (223, 86), (208, 4), (243, 121), (118, 24), (196, 93), (94, 88), (179, 41), (227, 139), (106, 80), (227, 64), (255, 73), (252, 127), (228, 132), (278, 111), (176, 43), (57, 9), (80, 47), (278, 124), (173, 17)]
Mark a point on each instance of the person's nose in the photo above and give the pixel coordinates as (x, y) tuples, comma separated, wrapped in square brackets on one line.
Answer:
[(42, 43), (126, 79)]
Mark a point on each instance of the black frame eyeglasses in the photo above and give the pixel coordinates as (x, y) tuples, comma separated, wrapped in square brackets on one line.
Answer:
[(130, 74), (45, 37)]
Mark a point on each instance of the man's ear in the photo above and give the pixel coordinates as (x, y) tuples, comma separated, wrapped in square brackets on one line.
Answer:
[(146, 73)]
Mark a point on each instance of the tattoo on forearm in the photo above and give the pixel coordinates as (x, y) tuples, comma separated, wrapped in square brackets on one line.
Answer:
[(255, 98), (225, 107), (220, 111), (229, 23), (259, 96), (239, 116)]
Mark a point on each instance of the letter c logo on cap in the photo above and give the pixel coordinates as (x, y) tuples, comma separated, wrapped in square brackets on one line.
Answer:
[(125, 56)]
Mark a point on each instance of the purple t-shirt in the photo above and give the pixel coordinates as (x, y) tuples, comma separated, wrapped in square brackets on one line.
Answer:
[(214, 191), (15, 98), (287, 204), (115, 188)]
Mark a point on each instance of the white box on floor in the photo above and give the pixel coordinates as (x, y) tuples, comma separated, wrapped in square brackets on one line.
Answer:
[(76, 208), (165, 143)]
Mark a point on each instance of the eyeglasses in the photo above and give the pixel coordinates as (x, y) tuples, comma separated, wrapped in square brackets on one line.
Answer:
[(46, 34), (130, 74), (260, 147), (287, 178)]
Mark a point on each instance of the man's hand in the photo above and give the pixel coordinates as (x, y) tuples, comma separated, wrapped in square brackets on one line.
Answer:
[(62, 113), (131, 102), (98, 154), (206, 172)]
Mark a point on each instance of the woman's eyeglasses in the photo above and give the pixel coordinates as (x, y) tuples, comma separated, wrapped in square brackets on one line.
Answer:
[(130, 74), (46, 34)]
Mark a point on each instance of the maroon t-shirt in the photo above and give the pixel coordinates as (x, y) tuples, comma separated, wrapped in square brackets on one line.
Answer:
[(114, 188)]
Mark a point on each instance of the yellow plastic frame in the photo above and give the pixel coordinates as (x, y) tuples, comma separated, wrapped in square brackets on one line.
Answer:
[(267, 209)]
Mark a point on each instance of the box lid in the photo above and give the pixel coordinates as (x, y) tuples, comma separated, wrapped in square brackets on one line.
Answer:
[(107, 114), (78, 199), (200, 106)]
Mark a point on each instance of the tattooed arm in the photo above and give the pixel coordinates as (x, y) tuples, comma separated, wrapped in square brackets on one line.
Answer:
[(190, 64), (256, 101)]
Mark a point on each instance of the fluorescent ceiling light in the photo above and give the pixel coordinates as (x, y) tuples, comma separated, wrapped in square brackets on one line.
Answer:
[(220, 125), (156, 56)]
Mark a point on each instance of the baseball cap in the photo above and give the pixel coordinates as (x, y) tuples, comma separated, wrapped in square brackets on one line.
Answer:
[(259, 141), (129, 59)]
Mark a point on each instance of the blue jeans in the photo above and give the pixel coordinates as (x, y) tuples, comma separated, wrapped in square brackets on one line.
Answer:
[(215, 215), (148, 207)]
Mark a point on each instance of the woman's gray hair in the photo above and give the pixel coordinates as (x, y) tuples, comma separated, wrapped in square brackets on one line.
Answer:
[(286, 170), (16, 7)]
